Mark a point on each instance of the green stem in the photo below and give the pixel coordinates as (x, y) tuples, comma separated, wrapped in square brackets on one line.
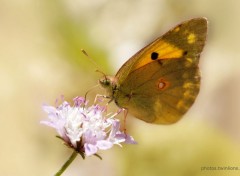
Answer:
[(69, 161)]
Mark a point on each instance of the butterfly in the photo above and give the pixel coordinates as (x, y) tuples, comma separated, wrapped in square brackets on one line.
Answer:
[(161, 81)]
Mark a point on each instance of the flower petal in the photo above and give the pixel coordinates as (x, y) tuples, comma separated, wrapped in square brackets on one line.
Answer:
[(104, 145), (49, 109), (90, 149), (129, 140)]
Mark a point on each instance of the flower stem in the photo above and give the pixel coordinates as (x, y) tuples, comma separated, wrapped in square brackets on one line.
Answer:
[(69, 161)]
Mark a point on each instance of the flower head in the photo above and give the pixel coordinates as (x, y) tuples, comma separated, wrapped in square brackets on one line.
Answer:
[(85, 128)]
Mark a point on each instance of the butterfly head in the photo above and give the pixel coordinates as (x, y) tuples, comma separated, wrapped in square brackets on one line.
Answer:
[(109, 83), (105, 81)]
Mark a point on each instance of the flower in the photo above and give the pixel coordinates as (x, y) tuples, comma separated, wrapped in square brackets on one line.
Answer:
[(84, 128)]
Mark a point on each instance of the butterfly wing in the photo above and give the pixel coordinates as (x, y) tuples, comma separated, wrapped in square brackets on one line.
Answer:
[(160, 82), (187, 38)]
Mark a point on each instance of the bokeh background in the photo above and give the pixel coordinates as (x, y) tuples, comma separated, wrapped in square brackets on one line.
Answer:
[(41, 59)]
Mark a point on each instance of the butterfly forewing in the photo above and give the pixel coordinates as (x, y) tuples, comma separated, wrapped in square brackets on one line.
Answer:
[(186, 39)]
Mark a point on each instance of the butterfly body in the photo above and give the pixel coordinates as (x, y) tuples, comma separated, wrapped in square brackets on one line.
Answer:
[(161, 81)]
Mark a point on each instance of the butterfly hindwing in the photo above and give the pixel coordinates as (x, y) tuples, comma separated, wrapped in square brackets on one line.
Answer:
[(160, 93)]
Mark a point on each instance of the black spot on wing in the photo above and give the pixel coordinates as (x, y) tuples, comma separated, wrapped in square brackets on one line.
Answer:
[(154, 55)]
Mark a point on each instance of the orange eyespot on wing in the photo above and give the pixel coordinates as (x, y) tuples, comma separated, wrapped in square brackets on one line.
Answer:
[(162, 84)]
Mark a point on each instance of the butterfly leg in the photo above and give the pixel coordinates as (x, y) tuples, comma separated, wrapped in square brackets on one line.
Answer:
[(101, 100), (106, 105), (125, 112), (100, 96)]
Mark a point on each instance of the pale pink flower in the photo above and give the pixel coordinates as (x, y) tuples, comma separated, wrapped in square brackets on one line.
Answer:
[(87, 129)]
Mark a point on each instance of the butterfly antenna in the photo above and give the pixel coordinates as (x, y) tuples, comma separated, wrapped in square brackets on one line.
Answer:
[(105, 76), (93, 62)]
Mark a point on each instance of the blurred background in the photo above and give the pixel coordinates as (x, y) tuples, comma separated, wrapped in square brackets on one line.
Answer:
[(40, 59)]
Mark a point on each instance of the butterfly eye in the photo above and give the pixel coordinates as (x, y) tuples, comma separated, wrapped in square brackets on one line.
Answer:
[(105, 82)]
